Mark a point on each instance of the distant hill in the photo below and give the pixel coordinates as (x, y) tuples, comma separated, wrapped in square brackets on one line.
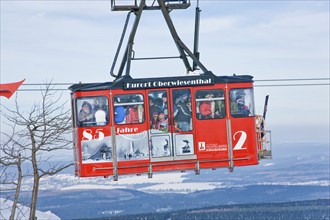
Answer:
[(76, 204), (298, 171), (312, 209)]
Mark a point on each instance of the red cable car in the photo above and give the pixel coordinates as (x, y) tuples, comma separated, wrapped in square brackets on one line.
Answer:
[(134, 126)]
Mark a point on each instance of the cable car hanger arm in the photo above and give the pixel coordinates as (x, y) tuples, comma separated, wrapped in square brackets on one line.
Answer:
[(119, 46), (182, 48)]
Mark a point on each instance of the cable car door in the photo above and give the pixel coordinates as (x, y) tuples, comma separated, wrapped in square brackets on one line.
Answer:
[(170, 117)]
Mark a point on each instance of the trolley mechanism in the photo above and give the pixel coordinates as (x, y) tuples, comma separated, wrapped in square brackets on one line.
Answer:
[(137, 7)]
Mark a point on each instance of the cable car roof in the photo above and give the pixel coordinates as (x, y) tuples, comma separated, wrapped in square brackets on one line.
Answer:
[(128, 83)]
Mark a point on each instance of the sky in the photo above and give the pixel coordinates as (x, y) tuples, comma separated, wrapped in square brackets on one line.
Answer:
[(76, 41)]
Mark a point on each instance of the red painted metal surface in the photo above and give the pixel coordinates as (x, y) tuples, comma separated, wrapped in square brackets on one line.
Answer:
[(224, 142)]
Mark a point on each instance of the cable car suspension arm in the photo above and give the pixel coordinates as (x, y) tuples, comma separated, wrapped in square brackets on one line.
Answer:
[(182, 48), (119, 46), (180, 45), (128, 52)]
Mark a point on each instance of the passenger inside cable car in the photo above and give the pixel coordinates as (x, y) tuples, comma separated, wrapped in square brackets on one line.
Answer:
[(154, 107), (207, 108), (92, 114), (183, 115), (119, 110), (241, 102), (132, 116), (164, 105), (86, 117), (129, 109), (210, 104), (162, 122), (101, 116), (158, 111)]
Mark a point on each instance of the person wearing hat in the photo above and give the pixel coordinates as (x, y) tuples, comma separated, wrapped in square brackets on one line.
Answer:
[(133, 112), (154, 120), (240, 102), (164, 105), (242, 108), (206, 108), (162, 122), (86, 117), (154, 109), (183, 116)]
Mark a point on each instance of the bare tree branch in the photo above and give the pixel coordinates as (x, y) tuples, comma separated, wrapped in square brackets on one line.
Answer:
[(45, 129)]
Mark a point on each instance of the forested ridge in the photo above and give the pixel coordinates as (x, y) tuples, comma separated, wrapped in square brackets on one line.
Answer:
[(312, 209)]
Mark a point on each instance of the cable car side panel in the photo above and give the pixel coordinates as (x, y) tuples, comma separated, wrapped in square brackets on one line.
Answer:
[(127, 135), (210, 126), (131, 131), (242, 124), (92, 136)]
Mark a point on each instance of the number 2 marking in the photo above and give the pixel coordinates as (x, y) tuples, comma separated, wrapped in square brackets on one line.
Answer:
[(241, 141)]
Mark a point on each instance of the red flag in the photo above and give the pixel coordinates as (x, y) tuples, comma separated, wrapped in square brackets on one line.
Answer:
[(9, 89)]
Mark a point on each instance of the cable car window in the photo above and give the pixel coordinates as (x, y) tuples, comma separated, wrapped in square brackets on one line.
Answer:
[(129, 109), (182, 110), (210, 104), (92, 111), (242, 102), (158, 110)]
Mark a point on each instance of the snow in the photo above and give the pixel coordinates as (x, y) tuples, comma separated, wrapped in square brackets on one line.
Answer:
[(170, 182), (160, 183), (91, 187), (126, 181), (165, 178), (174, 183), (183, 188), (269, 164), (22, 211)]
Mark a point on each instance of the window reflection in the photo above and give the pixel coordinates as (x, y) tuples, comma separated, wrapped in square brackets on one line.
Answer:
[(241, 102), (210, 104), (158, 110), (182, 110), (129, 109), (92, 111)]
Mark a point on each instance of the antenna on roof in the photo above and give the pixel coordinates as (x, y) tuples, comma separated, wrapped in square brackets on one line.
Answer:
[(196, 35)]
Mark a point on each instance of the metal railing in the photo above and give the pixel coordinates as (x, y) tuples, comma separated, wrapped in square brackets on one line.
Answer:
[(265, 144)]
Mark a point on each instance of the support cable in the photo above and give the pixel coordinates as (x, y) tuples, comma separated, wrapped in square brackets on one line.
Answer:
[(256, 80), (255, 85)]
